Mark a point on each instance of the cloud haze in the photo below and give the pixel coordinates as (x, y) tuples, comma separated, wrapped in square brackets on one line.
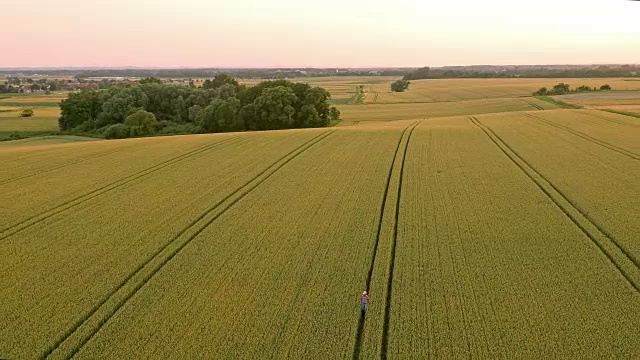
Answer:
[(331, 33)]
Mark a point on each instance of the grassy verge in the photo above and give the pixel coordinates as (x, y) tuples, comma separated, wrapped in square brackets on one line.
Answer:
[(358, 98), (559, 103), (621, 112), (339, 101), (19, 104), (18, 135), (335, 122)]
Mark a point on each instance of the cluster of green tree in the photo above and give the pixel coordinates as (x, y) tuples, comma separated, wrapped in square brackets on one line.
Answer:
[(220, 105), (421, 73), (523, 71), (26, 113), (562, 88), (400, 85)]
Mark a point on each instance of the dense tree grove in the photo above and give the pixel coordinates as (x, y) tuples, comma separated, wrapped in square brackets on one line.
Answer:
[(400, 85), (220, 105), (562, 88)]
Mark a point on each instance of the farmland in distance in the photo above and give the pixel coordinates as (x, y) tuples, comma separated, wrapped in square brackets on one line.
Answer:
[(46, 111)]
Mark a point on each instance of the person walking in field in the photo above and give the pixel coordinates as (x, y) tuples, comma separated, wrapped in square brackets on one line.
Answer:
[(364, 302)]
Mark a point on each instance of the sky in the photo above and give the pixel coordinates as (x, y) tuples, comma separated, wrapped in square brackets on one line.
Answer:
[(327, 33)]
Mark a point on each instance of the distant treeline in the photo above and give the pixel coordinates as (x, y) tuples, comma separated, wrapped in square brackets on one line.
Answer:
[(525, 72), (220, 105), (206, 73), (474, 71)]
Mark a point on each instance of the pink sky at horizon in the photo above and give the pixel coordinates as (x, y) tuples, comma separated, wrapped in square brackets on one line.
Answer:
[(342, 33)]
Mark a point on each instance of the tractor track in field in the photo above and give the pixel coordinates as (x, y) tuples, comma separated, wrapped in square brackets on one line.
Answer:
[(7, 181), (537, 107), (35, 219), (591, 139), (387, 306), (361, 319), (618, 255), (86, 328)]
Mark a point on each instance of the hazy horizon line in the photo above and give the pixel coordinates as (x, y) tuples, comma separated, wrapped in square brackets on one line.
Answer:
[(80, 67)]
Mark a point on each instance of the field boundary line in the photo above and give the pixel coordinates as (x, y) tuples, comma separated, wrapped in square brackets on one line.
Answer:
[(589, 138), (361, 319), (34, 219), (617, 254), (616, 121), (387, 307), (69, 344)]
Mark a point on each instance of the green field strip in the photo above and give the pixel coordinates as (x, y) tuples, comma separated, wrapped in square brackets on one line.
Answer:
[(28, 104), (32, 220), (582, 135), (74, 339), (633, 114), (559, 103), (619, 257), (383, 210), (358, 97)]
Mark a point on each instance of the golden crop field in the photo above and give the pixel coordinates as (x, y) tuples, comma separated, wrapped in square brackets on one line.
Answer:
[(603, 98), (27, 99), (510, 232), (45, 119), (368, 113), (448, 97), (437, 90), (626, 101)]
